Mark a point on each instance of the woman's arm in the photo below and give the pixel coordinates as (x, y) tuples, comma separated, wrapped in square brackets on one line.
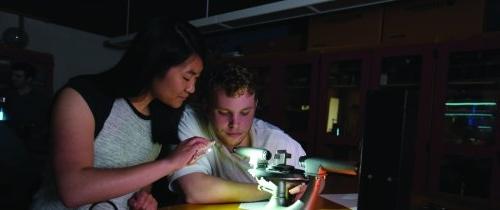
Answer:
[(78, 182)]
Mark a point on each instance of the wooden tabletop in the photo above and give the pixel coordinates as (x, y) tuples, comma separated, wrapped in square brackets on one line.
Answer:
[(322, 204)]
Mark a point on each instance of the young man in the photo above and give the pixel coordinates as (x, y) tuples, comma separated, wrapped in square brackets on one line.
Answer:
[(27, 106), (227, 117), (28, 111)]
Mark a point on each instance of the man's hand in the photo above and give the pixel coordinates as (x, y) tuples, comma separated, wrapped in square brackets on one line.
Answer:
[(294, 189), (298, 191), (142, 200)]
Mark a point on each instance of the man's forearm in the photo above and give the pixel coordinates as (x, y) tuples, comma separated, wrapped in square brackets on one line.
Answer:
[(202, 188)]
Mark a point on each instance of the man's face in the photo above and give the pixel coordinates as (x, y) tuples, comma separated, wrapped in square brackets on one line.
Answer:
[(19, 79), (232, 117)]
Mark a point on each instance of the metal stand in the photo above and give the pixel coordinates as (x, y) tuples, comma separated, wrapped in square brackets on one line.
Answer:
[(273, 179)]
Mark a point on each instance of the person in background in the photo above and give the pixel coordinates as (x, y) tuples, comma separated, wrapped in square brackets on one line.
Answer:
[(27, 108), (108, 129), (226, 116), (26, 111)]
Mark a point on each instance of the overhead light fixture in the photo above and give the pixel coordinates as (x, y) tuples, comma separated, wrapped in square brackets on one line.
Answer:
[(276, 11), (271, 12), (16, 36), (266, 13)]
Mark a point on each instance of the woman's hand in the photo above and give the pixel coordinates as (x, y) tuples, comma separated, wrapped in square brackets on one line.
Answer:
[(142, 200), (188, 151)]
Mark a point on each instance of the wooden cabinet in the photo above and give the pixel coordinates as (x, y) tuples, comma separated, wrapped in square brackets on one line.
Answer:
[(343, 82), (347, 29), (402, 23), (320, 99), (432, 21), (287, 92), (410, 68), (465, 140), (455, 157)]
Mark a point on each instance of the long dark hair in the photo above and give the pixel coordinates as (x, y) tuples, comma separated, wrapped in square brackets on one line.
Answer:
[(163, 43)]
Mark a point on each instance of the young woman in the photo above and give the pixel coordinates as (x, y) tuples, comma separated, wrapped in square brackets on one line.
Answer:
[(108, 129)]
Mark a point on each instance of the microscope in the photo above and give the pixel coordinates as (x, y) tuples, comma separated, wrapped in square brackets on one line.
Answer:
[(273, 178)]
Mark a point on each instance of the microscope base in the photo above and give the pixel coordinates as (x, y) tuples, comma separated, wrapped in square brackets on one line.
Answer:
[(273, 205)]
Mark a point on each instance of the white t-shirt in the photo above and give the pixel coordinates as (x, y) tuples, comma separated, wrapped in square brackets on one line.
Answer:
[(224, 164)]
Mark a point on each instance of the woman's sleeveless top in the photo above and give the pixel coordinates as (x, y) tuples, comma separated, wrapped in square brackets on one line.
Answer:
[(125, 140)]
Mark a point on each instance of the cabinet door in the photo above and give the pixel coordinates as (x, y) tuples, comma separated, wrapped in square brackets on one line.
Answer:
[(343, 84), (385, 175), (265, 93), (465, 145), (264, 69), (287, 92), (296, 101), (411, 69)]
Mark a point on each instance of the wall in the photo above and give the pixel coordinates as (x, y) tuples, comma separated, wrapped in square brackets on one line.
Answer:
[(75, 52)]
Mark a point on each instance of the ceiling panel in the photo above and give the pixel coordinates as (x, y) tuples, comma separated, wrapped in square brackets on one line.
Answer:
[(109, 17), (114, 18)]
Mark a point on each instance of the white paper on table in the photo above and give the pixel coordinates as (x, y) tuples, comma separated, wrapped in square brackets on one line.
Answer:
[(348, 200), (253, 205)]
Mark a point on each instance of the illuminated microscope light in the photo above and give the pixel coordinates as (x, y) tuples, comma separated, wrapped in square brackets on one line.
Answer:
[(258, 157), (273, 179), (209, 147)]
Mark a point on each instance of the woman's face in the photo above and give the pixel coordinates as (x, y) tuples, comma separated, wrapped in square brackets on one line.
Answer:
[(232, 117), (178, 82)]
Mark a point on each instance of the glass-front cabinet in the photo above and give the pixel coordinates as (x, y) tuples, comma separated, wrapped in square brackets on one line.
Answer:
[(410, 69), (320, 100), (264, 70), (343, 80), (297, 97), (471, 96), (466, 136), (264, 80), (296, 105), (287, 92), (407, 68), (400, 71)]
